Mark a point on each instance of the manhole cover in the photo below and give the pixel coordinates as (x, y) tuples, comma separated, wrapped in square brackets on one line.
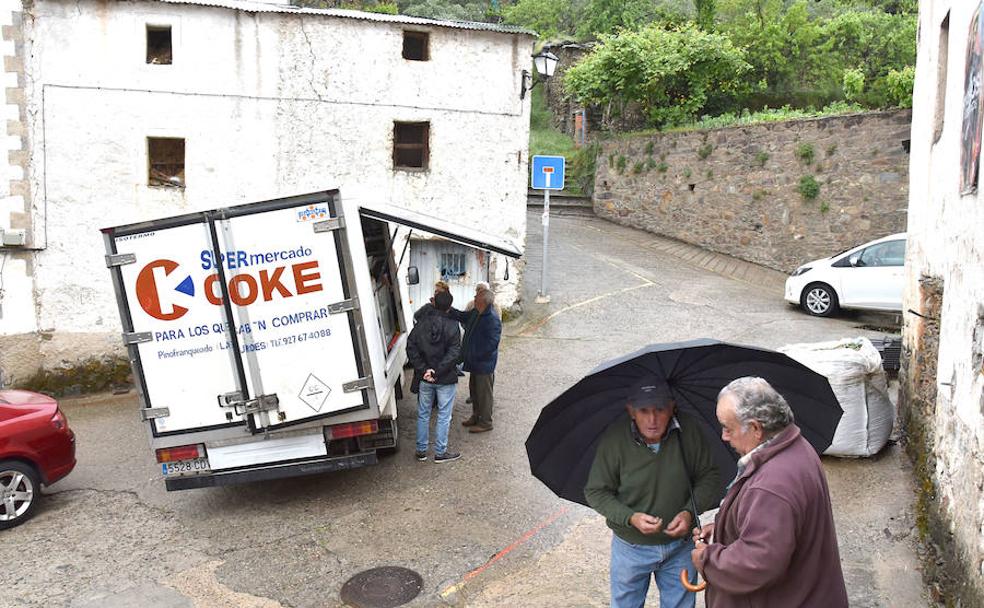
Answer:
[(385, 587)]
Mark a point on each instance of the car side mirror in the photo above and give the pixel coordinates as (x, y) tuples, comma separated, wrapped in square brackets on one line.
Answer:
[(413, 276), (855, 260)]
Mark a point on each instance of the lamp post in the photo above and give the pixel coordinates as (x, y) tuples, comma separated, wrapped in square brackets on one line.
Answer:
[(545, 62)]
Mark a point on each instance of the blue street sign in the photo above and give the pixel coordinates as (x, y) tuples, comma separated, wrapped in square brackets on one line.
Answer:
[(547, 173)]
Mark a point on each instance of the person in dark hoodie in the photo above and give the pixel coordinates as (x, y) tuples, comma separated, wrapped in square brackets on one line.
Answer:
[(433, 348)]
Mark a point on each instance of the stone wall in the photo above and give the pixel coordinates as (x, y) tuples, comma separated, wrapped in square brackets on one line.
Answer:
[(737, 190)]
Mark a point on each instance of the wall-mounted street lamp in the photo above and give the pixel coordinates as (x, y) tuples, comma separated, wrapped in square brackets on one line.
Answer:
[(544, 62)]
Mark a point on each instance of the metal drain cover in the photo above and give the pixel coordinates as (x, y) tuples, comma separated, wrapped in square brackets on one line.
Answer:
[(385, 587)]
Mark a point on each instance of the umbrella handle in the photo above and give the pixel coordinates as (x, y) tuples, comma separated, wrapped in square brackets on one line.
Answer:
[(685, 580)]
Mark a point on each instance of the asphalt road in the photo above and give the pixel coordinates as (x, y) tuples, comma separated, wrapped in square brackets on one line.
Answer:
[(481, 531)]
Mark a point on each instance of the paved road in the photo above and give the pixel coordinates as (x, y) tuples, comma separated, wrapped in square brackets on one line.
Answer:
[(480, 530)]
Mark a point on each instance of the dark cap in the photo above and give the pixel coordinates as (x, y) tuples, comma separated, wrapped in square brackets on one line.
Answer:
[(650, 391)]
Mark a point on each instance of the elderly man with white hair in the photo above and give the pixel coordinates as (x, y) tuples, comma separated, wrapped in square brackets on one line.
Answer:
[(480, 353), (774, 542)]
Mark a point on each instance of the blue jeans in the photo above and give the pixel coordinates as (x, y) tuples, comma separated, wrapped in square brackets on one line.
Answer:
[(444, 393), (632, 565)]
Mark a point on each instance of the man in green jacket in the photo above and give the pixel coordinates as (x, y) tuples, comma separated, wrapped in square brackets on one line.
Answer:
[(640, 481)]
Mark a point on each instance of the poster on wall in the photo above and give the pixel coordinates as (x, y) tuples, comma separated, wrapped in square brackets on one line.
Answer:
[(973, 107)]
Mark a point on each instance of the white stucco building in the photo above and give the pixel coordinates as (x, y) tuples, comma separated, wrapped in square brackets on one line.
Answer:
[(125, 111), (943, 364)]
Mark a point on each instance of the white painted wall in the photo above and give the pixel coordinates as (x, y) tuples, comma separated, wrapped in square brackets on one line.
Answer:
[(270, 104), (946, 240)]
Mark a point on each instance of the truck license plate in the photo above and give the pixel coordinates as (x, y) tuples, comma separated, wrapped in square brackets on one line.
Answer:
[(185, 467)]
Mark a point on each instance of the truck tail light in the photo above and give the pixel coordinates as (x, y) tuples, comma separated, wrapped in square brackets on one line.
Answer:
[(182, 452), (353, 429), (58, 420)]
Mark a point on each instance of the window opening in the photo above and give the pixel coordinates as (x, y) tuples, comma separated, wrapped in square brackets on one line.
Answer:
[(410, 145), (159, 44), (941, 61), (166, 159), (416, 46), (452, 265)]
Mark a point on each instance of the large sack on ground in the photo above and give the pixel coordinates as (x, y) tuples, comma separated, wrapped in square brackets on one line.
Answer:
[(854, 369)]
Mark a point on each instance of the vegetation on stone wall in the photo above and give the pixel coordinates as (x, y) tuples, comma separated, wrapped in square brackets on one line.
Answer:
[(808, 187), (92, 375)]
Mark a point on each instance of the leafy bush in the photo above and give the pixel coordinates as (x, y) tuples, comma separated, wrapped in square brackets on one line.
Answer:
[(805, 153), (761, 158), (808, 187), (898, 85), (704, 150), (669, 73), (853, 83)]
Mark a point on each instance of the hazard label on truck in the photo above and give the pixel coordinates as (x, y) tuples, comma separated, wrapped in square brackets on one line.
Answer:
[(314, 393)]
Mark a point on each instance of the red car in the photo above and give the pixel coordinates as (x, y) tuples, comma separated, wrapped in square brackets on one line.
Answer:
[(36, 447)]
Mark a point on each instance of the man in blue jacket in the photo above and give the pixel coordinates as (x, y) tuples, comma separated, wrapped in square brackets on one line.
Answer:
[(480, 353)]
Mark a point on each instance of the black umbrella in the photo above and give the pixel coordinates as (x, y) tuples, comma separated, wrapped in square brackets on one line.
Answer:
[(561, 446)]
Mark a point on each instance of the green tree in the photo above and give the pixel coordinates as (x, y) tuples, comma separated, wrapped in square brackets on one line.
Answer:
[(548, 18), (875, 43), (668, 72), (609, 16), (706, 10)]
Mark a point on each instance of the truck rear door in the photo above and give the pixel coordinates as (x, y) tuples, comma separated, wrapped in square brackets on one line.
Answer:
[(243, 316)]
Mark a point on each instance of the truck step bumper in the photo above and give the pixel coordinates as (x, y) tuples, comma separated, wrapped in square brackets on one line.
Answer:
[(224, 478)]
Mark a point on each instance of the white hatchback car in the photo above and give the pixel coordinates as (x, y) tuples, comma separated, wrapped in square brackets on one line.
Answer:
[(867, 277)]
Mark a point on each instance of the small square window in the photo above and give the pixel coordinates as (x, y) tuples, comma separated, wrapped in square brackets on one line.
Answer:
[(166, 162), (452, 265), (411, 148), (416, 46), (159, 44)]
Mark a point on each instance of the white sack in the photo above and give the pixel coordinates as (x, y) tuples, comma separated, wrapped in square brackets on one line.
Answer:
[(854, 369)]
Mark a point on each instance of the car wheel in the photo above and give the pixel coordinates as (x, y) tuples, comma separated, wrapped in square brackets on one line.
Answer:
[(20, 490), (820, 300)]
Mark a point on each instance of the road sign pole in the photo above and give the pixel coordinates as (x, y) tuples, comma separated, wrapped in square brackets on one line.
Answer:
[(542, 297), (546, 174)]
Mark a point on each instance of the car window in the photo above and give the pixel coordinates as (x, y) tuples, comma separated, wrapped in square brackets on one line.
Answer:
[(889, 253)]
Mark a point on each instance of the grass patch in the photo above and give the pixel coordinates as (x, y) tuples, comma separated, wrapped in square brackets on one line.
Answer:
[(767, 115)]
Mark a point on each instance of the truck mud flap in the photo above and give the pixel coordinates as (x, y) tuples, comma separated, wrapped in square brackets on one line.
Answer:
[(272, 472)]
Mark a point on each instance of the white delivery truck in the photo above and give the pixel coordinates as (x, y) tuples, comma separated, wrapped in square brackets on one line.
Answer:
[(267, 339)]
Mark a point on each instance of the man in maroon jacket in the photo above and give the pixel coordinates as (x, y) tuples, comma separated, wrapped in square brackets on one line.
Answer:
[(774, 542)]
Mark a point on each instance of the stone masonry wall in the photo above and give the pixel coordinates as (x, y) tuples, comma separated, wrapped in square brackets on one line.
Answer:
[(19, 341), (737, 190)]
